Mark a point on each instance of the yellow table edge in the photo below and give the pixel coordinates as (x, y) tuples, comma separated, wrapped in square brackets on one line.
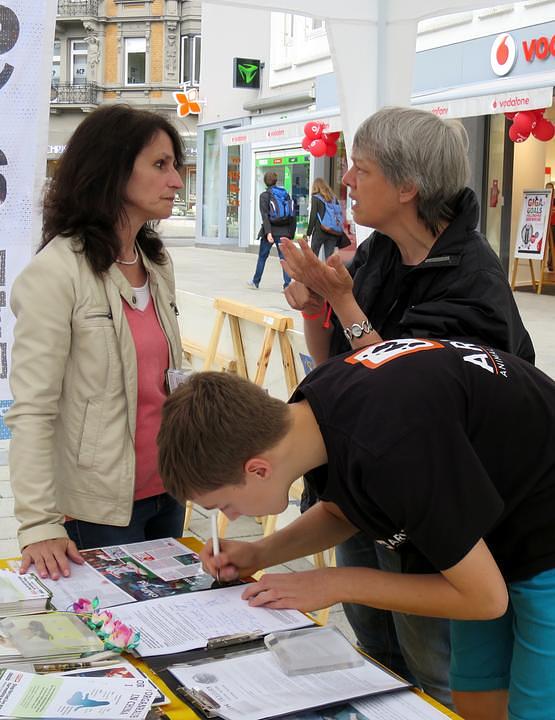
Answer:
[(176, 709)]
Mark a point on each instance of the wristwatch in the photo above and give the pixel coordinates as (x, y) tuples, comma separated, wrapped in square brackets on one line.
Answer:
[(358, 330)]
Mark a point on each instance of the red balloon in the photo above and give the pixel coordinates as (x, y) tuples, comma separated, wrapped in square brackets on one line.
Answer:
[(509, 116), (331, 137), (331, 149), (538, 112), (306, 142), (317, 147), (313, 130), (516, 136), (524, 122), (544, 130)]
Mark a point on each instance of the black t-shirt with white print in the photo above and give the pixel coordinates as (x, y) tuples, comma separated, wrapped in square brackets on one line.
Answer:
[(434, 444)]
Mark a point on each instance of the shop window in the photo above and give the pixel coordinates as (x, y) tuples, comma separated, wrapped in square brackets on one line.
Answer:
[(135, 61), (79, 50), (190, 60), (56, 64), (211, 184), (233, 178)]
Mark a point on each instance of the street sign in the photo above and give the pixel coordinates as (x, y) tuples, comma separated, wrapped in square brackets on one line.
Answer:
[(246, 73)]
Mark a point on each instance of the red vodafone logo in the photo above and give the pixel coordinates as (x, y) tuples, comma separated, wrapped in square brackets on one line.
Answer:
[(503, 54)]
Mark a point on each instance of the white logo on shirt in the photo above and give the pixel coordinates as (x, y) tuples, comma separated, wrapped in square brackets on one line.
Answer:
[(376, 355), (395, 541)]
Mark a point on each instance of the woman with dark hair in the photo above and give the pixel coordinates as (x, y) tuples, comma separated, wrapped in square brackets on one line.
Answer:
[(95, 332), (325, 225)]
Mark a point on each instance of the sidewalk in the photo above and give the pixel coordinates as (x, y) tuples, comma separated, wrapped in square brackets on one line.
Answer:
[(224, 273)]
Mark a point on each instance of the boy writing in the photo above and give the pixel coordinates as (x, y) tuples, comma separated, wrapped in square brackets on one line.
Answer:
[(442, 451)]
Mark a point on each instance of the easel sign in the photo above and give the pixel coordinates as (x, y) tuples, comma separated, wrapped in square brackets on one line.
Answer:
[(533, 232)]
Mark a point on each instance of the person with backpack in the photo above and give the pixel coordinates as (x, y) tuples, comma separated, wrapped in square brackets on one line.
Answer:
[(325, 225), (278, 220)]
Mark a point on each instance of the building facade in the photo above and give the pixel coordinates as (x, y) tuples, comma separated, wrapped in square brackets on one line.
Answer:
[(457, 74), (247, 129), (128, 51)]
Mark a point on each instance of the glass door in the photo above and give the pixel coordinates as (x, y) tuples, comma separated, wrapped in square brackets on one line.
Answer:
[(293, 170)]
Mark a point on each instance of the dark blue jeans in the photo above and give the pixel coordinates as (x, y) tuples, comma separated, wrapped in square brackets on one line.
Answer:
[(402, 642), (153, 518), (263, 252)]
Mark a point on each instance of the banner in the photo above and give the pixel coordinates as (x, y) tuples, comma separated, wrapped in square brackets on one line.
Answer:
[(531, 233), (26, 42)]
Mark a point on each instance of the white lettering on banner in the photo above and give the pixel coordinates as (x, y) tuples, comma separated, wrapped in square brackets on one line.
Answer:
[(491, 104), (26, 30), (56, 149)]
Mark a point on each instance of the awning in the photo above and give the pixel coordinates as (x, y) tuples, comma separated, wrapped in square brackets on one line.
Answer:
[(278, 131), (449, 105)]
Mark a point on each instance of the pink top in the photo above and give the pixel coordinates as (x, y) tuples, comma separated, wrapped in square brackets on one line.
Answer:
[(152, 351)]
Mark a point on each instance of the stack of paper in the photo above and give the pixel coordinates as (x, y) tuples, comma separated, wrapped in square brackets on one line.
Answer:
[(23, 695), (44, 637), (21, 594)]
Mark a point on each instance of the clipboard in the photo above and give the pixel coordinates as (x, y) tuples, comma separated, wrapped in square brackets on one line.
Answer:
[(200, 700)]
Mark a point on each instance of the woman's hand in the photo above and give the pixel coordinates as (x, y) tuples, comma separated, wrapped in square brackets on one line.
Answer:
[(305, 591), (331, 280), (302, 298), (235, 560), (51, 557)]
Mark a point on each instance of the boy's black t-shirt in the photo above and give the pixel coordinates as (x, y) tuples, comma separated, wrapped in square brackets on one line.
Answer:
[(434, 444)]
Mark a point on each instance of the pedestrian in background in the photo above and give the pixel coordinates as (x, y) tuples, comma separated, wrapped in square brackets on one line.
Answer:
[(325, 225), (95, 332), (278, 220)]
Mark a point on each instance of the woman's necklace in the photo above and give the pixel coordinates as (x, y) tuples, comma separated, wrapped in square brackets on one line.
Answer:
[(129, 262)]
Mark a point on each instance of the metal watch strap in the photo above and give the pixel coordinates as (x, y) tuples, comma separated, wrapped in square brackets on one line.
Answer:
[(358, 330)]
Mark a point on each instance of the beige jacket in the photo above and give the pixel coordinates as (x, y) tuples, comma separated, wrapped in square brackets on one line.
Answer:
[(74, 382)]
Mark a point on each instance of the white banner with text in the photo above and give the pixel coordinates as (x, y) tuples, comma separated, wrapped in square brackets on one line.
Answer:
[(26, 42)]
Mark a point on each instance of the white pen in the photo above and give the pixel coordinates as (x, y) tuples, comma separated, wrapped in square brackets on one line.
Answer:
[(215, 541)]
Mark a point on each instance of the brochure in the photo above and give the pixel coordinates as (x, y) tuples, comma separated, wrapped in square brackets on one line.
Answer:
[(24, 695), (21, 593), (123, 574)]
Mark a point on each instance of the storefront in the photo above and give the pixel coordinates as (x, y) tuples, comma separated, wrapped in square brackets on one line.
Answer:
[(235, 157), (478, 80)]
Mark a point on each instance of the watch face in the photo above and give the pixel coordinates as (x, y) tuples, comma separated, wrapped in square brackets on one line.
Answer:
[(357, 331)]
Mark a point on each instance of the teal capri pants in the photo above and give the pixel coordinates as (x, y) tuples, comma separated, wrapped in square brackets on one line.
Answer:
[(514, 652)]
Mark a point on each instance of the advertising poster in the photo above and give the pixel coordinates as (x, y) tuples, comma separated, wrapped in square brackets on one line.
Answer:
[(26, 31), (531, 235)]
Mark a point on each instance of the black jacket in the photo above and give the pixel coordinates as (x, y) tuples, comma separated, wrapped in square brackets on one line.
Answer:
[(286, 230), (459, 291)]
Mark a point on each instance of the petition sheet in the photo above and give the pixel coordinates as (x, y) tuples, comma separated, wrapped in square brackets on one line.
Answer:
[(186, 622), (397, 706), (246, 686)]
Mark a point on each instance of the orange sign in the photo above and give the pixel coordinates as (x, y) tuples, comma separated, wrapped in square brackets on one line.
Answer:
[(188, 102)]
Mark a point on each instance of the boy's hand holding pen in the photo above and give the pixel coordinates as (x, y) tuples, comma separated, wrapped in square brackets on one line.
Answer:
[(229, 560), (215, 542)]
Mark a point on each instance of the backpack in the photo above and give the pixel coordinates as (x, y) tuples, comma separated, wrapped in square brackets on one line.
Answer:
[(332, 222), (281, 206)]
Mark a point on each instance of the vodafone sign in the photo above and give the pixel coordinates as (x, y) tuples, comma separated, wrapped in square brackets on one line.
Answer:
[(504, 51), (503, 54)]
